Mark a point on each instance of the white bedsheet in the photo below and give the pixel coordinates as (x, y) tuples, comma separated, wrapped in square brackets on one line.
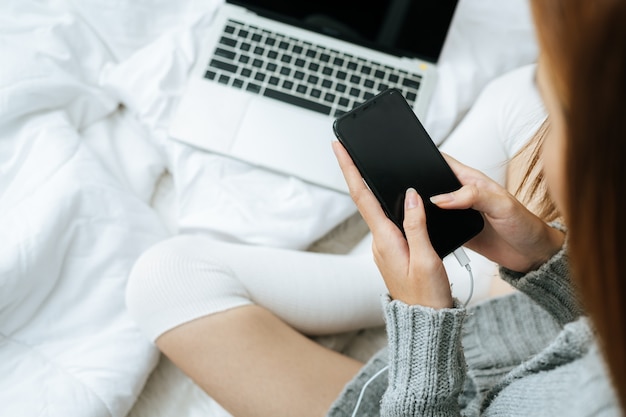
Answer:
[(86, 90)]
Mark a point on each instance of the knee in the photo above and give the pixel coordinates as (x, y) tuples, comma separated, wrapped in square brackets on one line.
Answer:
[(179, 280), (149, 281)]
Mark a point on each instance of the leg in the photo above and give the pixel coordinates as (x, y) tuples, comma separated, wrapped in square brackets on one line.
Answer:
[(201, 311), (504, 117), (253, 364)]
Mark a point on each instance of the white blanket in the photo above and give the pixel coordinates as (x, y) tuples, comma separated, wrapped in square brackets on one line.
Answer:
[(86, 90)]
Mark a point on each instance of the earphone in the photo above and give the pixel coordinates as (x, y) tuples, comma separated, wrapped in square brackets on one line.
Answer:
[(358, 401), (464, 261)]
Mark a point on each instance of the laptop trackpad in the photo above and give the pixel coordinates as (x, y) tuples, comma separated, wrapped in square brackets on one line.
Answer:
[(209, 115), (287, 139)]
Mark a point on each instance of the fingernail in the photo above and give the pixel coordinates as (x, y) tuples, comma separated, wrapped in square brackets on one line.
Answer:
[(441, 198), (410, 200)]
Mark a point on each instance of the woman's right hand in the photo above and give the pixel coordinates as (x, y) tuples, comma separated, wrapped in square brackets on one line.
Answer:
[(513, 237)]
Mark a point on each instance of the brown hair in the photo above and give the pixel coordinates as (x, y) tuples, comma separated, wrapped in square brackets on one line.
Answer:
[(584, 43), (531, 189)]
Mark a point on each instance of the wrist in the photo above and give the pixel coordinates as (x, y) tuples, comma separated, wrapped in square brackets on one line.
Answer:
[(553, 239)]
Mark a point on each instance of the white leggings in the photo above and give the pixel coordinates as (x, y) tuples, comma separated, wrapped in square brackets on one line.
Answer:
[(187, 277), (191, 276)]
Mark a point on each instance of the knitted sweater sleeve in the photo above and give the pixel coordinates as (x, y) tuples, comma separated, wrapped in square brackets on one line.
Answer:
[(426, 362), (550, 287), (427, 365)]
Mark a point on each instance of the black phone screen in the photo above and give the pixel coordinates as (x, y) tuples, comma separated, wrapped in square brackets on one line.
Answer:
[(393, 152)]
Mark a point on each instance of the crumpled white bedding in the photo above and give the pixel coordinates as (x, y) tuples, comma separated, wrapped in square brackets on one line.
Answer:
[(86, 90)]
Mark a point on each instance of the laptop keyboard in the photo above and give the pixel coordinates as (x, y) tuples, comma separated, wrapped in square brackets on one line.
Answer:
[(301, 73)]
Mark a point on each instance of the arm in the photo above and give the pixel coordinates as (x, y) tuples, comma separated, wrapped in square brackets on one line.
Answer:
[(550, 287), (418, 284), (513, 237), (426, 363)]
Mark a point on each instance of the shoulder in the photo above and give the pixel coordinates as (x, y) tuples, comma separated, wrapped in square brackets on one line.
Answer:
[(567, 378), (595, 394)]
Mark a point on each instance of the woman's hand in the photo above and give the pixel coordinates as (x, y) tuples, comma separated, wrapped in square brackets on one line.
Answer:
[(513, 236), (412, 270)]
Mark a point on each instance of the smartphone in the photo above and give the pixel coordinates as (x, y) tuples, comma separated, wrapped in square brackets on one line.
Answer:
[(393, 152)]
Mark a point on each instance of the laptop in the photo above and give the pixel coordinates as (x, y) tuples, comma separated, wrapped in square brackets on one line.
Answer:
[(272, 75)]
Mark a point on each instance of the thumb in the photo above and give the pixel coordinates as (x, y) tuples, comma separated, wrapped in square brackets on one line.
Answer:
[(415, 223)]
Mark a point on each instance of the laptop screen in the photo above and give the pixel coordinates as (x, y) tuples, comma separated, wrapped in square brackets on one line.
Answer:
[(401, 27)]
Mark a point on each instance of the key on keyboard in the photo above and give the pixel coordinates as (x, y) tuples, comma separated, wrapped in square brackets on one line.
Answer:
[(300, 73)]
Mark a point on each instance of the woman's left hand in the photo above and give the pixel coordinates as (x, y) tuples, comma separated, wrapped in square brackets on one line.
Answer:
[(412, 270)]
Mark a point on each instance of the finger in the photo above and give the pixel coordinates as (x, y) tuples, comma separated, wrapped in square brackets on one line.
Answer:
[(366, 202), (487, 198), (478, 192), (473, 184), (415, 225), (429, 282), (350, 172), (465, 197)]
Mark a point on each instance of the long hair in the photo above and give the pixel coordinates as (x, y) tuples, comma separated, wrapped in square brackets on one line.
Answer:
[(531, 189), (584, 43)]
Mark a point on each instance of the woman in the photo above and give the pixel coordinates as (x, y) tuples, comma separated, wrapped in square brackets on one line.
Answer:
[(533, 354), (582, 162), (179, 285)]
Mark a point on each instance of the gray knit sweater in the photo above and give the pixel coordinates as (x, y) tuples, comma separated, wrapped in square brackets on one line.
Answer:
[(531, 353)]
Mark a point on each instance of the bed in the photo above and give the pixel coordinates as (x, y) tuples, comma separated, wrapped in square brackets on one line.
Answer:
[(89, 179)]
